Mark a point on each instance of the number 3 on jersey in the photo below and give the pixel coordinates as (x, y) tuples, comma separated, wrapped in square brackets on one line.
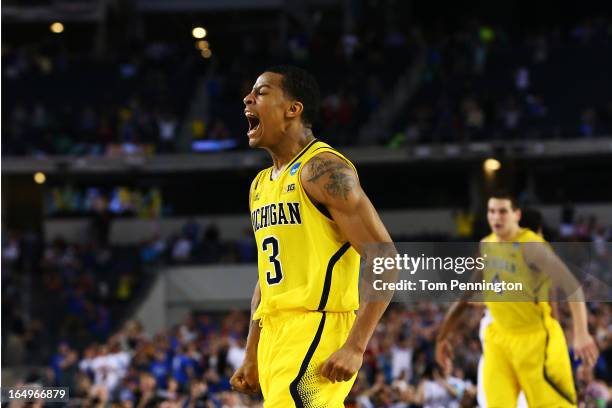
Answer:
[(268, 242)]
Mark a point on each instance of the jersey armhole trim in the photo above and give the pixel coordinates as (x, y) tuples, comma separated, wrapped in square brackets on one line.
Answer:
[(258, 178), (254, 186), (329, 272)]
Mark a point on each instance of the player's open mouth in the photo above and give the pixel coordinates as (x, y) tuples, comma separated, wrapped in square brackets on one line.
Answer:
[(253, 123)]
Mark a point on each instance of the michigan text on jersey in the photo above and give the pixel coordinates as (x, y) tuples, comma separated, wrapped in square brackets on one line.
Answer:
[(276, 214)]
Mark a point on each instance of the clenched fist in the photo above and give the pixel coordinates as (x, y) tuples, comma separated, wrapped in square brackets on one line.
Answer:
[(246, 378), (342, 365)]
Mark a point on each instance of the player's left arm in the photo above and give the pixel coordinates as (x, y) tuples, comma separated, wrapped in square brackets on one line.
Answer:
[(543, 258), (332, 182)]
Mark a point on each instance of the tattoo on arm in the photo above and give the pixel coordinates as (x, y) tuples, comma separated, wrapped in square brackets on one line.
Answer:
[(341, 181)]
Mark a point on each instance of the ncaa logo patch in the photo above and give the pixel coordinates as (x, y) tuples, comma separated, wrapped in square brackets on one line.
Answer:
[(295, 168)]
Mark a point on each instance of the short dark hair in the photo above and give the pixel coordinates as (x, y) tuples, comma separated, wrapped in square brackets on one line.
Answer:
[(298, 84), (532, 219), (504, 194)]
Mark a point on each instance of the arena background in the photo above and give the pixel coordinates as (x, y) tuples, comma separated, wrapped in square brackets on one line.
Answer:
[(127, 248)]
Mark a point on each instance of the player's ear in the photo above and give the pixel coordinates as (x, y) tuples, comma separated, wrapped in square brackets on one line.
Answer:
[(518, 214), (295, 109)]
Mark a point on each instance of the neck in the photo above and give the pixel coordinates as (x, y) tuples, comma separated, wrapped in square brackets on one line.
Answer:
[(510, 236), (291, 144)]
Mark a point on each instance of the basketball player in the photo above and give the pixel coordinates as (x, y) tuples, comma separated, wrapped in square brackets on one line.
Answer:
[(532, 220), (524, 346), (311, 221)]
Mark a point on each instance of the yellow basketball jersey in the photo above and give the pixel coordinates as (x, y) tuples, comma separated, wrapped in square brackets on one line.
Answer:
[(504, 261), (304, 263)]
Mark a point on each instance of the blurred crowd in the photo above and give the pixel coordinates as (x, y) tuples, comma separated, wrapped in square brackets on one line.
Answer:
[(85, 288), (190, 364), (60, 291), (68, 201), (75, 103), (478, 82), (486, 82), (399, 369), (137, 101), (89, 285), (196, 244)]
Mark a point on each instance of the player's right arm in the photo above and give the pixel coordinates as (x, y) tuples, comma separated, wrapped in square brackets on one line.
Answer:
[(444, 351), (246, 377)]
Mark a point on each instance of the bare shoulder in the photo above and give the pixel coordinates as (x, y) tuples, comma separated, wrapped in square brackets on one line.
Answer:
[(327, 175)]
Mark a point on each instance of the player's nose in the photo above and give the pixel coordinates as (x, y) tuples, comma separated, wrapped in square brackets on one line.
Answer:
[(249, 99)]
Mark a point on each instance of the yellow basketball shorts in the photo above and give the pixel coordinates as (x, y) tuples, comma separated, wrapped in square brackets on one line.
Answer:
[(535, 361), (292, 349)]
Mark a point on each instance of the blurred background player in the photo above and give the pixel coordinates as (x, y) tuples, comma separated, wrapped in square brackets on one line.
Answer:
[(530, 219), (311, 221), (521, 336)]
